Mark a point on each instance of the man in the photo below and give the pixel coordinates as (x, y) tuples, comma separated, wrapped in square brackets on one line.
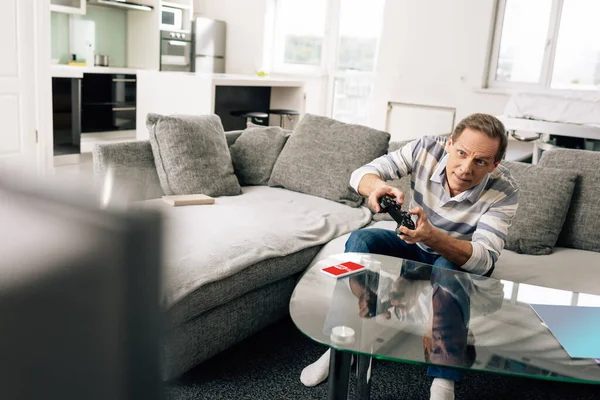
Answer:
[(463, 200)]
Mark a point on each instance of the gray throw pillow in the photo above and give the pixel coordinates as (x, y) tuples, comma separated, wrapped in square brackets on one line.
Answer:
[(581, 229), (544, 197), (251, 124), (254, 153), (322, 153), (191, 155)]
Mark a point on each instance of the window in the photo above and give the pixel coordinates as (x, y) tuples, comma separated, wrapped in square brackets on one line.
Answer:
[(334, 38), (546, 44), (299, 38), (353, 77)]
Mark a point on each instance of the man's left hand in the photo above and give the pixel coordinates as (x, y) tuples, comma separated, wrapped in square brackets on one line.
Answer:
[(423, 232)]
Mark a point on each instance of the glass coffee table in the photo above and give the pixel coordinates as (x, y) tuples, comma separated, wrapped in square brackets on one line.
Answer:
[(409, 312)]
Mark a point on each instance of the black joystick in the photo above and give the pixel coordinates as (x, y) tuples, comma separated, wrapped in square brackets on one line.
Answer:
[(389, 205)]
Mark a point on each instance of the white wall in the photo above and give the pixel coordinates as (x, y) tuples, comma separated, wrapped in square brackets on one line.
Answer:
[(435, 52), (245, 31), (199, 6)]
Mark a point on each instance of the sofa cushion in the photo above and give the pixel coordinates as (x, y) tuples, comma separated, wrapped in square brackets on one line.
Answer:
[(581, 229), (569, 269), (223, 291), (191, 155), (232, 136), (254, 154), (207, 243), (544, 196), (321, 155)]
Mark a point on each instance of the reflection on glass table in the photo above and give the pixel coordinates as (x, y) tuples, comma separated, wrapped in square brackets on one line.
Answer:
[(404, 311)]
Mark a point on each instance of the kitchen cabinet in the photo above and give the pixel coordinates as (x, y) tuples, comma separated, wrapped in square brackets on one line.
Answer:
[(68, 6), (108, 102), (65, 115), (92, 108)]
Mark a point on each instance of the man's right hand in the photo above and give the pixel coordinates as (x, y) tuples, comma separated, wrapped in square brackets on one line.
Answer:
[(376, 194), (367, 305)]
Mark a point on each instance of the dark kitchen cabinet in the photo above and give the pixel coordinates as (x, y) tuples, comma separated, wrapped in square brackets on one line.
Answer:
[(65, 115), (108, 102)]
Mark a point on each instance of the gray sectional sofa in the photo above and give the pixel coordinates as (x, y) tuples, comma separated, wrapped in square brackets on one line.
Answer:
[(230, 268), (210, 311)]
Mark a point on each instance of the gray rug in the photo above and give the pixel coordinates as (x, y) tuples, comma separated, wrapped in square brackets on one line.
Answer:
[(268, 365)]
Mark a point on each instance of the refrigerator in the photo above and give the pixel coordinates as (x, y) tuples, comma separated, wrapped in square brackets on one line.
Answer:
[(209, 45)]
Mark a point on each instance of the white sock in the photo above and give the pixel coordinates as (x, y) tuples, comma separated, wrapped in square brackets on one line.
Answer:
[(442, 389), (316, 372)]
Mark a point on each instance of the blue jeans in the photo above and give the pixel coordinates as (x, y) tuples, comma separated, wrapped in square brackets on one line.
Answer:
[(386, 242)]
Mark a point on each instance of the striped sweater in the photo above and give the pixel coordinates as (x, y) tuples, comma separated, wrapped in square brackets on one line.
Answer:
[(481, 215)]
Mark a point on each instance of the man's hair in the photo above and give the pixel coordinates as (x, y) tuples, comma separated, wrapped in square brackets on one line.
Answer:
[(487, 124)]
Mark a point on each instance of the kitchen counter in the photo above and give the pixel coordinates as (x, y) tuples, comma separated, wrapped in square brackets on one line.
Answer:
[(201, 93), (233, 79), (70, 71)]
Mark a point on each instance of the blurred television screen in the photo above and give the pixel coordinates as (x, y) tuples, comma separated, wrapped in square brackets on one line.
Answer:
[(79, 296)]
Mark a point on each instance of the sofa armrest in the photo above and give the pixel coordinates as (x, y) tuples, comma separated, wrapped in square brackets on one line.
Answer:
[(134, 161), (132, 168), (136, 154)]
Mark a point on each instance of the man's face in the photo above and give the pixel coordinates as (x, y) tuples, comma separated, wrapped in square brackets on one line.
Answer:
[(470, 158)]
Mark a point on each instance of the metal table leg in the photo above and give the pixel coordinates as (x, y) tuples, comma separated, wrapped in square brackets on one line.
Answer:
[(339, 375), (363, 377)]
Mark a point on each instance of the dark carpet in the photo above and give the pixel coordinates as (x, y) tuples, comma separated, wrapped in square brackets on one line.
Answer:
[(268, 365)]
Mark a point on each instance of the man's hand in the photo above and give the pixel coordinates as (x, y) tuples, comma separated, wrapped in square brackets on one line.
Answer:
[(456, 251), (367, 305), (367, 299), (383, 190), (424, 231)]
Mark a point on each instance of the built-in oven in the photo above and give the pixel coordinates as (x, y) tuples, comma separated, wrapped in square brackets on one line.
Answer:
[(171, 19), (176, 51)]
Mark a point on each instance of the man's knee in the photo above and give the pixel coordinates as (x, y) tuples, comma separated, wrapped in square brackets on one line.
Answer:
[(360, 241), (441, 262)]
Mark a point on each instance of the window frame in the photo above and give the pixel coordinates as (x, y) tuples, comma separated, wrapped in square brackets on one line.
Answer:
[(333, 72), (545, 81), (330, 50), (303, 69), (328, 70)]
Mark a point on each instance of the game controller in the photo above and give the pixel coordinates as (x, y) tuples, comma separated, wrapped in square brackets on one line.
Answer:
[(389, 205)]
